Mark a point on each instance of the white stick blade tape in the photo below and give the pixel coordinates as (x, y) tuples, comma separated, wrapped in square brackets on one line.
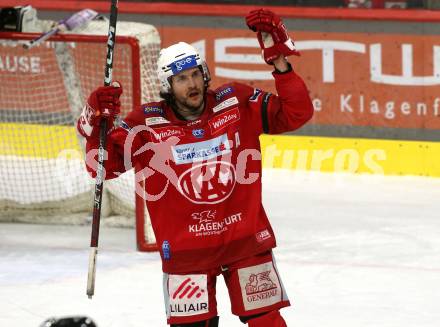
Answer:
[(92, 272)]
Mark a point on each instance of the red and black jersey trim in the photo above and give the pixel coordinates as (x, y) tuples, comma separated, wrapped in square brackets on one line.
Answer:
[(264, 118)]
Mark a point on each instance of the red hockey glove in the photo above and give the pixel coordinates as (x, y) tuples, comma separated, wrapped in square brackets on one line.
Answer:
[(103, 103), (272, 34)]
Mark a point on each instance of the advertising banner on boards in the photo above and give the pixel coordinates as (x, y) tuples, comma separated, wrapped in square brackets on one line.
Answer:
[(356, 79)]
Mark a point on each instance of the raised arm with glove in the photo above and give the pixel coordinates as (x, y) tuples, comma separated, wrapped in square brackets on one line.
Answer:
[(272, 35)]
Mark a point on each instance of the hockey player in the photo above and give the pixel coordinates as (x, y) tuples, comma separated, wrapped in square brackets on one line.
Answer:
[(200, 154)]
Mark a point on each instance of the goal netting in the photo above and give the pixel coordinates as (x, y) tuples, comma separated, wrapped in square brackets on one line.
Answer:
[(43, 89)]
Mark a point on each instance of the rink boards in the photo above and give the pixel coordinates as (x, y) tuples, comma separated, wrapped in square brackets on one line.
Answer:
[(331, 154), (325, 154)]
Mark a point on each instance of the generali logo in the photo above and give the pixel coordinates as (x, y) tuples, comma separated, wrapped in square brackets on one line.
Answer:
[(260, 283), (261, 286)]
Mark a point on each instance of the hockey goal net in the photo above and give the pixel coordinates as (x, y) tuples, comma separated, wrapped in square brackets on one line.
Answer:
[(43, 89)]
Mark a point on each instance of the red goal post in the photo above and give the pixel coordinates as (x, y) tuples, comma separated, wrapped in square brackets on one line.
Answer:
[(41, 156)]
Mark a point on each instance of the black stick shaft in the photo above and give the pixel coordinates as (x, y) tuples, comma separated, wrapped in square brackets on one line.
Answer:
[(103, 127), (101, 151)]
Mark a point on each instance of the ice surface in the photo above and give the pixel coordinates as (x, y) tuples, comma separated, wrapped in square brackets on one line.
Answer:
[(353, 251)]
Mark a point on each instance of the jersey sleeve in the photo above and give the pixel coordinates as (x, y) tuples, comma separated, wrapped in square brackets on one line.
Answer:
[(287, 111)]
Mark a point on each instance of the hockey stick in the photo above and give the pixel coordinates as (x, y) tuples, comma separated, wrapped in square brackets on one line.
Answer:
[(102, 143), (76, 20)]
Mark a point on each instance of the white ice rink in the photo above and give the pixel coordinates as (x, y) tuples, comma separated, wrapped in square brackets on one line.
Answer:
[(353, 251)]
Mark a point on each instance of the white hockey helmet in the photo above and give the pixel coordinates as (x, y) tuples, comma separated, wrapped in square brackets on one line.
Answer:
[(176, 58)]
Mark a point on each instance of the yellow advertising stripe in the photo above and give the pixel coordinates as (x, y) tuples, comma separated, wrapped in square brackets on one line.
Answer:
[(324, 154), (373, 156), (37, 141)]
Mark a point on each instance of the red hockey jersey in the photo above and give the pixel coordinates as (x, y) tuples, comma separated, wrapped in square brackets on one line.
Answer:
[(203, 177)]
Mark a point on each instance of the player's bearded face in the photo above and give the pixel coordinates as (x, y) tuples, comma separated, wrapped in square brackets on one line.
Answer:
[(188, 89)]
